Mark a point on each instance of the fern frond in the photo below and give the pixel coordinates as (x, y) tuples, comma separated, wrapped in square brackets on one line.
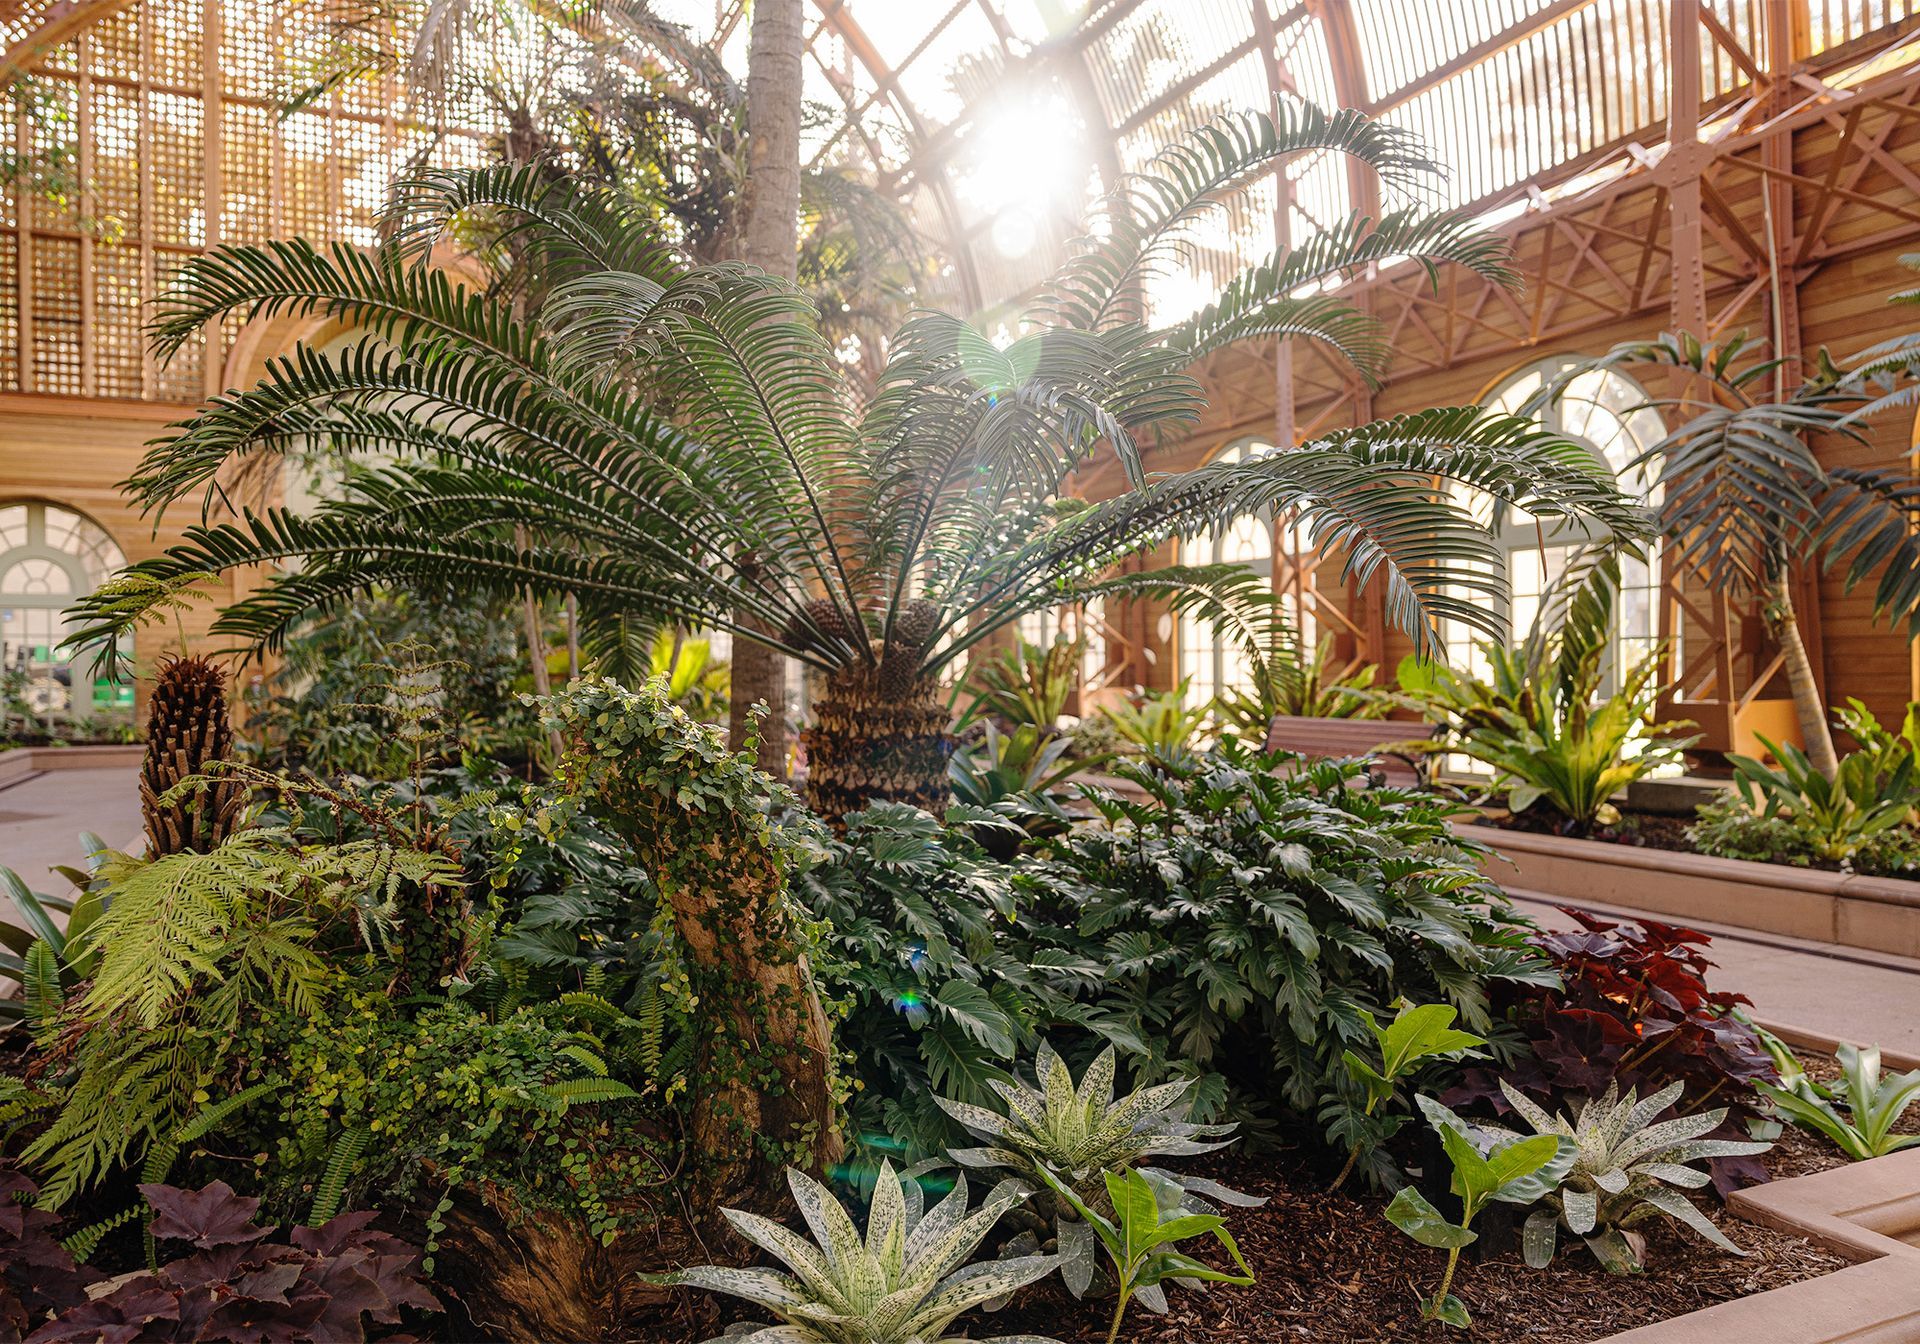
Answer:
[(40, 976), (583, 1091), (347, 1150), (161, 1156), (83, 1243), (586, 1059)]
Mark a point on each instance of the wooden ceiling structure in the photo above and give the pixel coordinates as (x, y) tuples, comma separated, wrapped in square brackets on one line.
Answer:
[(1714, 164)]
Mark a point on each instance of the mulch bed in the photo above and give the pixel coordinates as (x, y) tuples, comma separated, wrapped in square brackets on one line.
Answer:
[(1332, 1270)]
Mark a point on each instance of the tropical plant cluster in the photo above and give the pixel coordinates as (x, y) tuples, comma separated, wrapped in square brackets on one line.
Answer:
[(505, 983)]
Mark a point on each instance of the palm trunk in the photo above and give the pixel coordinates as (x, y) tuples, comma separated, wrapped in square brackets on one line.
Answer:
[(769, 238), (1808, 707), (874, 740)]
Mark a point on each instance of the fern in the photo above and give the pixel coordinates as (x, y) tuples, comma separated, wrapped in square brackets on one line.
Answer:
[(586, 1058), (583, 1091), (83, 1243), (131, 1087), (44, 999), (162, 1156), (651, 1017), (170, 921), (333, 1184)]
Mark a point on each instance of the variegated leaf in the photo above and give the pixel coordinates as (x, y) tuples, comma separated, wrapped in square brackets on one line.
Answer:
[(977, 1120), (973, 1285), (1687, 1178), (1678, 1206), (765, 1287), (793, 1250), (887, 1225), (1077, 1259), (1539, 1237), (1582, 1208)]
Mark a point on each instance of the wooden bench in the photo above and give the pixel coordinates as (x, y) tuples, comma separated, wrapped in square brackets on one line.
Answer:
[(1361, 739)]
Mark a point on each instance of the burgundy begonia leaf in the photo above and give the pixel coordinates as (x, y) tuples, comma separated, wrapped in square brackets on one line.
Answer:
[(211, 1216)]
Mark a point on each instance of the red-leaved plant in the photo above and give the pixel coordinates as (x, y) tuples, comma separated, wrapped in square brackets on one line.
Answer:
[(324, 1286), (37, 1276), (1634, 1010)]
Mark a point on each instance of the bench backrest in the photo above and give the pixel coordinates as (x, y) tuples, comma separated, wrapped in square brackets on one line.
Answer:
[(1363, 738)]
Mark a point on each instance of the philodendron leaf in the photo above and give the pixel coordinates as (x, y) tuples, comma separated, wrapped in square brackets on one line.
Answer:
[(1422, 1032), (1412, 1214), (1449, 1309)]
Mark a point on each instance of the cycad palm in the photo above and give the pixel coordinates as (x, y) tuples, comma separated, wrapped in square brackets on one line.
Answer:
[(1745, 499), (678, 444)]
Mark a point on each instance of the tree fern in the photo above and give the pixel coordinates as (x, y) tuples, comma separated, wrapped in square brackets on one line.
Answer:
[(169, 922)]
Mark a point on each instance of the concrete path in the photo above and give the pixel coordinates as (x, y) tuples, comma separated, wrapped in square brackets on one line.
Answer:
[(41, 818), (1811, 993)]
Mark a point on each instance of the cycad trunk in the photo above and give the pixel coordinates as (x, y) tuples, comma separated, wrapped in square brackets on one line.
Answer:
[(769, 238), (877, 737), (1784, 625), (188, 731)]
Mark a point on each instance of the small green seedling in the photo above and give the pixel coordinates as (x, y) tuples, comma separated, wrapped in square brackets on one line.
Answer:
[(1476, 1180), (1874, 1104), (1139, 1239), (1419, 1033)]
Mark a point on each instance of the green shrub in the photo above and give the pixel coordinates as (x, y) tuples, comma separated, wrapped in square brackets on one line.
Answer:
[(927, 964), (1791, 813), (1254, 908), (1539, 719)]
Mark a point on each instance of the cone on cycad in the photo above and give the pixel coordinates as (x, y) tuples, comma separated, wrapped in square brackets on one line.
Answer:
[(187, 729)]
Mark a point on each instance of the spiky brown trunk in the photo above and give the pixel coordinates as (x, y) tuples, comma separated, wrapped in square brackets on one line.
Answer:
[(188, 730), (877, 736)]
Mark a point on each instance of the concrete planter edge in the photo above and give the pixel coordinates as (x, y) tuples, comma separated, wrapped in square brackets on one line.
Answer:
[(1868, 1212), (1880, 914)]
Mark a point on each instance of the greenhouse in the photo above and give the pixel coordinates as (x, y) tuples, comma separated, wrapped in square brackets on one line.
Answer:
[(917, 671)]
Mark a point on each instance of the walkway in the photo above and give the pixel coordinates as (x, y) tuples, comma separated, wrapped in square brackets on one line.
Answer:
[(1812, 993), (41, 818)]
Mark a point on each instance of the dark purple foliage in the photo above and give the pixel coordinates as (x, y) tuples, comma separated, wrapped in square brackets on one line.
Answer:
[(1636, 1010), (36, 1273), (324, 1286)]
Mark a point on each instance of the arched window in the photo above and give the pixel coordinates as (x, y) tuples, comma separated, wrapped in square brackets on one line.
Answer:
[(48, 557), (1606, 411), (1209, 663)]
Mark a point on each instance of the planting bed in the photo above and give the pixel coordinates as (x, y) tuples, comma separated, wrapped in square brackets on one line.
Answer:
[(1334, 1271)]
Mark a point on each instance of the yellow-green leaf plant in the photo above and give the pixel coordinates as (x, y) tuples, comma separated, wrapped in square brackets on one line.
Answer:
[(1139, 1237), (1477, 1181), (1417, 1034), (1873, 1104)]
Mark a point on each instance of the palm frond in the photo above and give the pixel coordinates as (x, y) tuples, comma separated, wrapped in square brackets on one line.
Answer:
[(1870, 520), (1147, 222)]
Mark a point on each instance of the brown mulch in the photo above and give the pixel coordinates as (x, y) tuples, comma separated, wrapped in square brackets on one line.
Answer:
[(1332, 1270)]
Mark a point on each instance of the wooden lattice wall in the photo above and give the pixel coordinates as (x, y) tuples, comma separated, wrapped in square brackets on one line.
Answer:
[(166, 118)]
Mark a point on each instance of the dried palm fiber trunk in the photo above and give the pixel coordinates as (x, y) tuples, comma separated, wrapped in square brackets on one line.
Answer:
[(187, 730)]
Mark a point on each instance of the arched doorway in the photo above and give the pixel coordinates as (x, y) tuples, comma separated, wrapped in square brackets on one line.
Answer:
[(49, 556)]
